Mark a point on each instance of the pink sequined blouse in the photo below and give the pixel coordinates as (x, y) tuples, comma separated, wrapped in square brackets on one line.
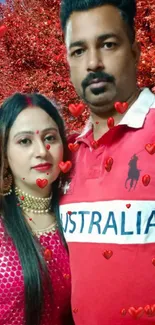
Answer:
[(12, 281)]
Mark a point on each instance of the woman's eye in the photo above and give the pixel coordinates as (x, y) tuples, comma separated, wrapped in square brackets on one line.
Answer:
[(50, 138), (25, 141)]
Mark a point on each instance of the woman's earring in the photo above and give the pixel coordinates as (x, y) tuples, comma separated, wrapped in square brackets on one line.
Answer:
[(7, 180)]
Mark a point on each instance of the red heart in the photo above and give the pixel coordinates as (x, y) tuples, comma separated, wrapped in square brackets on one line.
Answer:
[(97, 122), (150, 148), (73, 147), (121, 107), (69, 212), (47, 254), (94, 144), (128, 205), (66, 276), (107, 254), (23, 179), (153, 261), (65, 166), (146, 180), (153, 310), (110, 122), (3, 30), (30, 219), (76, 109), (123, 312), (48, 146), (148, 310), (22, 198), (41, 182), (136, 313), (108, 164), (37, 132)]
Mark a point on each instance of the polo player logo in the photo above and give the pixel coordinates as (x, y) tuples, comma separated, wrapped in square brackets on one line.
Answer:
[(133, 174)]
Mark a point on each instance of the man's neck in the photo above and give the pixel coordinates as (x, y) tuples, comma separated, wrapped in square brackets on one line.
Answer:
[(100, 126)]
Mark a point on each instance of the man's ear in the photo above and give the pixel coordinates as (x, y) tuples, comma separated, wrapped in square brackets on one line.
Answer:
[(136, 50)]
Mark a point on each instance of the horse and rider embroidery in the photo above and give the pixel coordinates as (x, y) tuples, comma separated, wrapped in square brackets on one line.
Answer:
[(133, 174)]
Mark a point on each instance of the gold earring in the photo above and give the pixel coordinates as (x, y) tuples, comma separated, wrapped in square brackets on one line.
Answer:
[(7, 180)]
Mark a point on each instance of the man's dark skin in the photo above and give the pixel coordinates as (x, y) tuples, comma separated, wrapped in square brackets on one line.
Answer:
[(97, 40)]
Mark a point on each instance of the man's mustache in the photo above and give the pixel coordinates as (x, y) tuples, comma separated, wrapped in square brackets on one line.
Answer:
[(103, 76)]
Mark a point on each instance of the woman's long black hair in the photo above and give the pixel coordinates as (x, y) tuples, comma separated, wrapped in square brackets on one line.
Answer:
[(28, 248)]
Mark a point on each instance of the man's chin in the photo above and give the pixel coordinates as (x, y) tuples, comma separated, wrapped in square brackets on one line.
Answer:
[(102, 99)]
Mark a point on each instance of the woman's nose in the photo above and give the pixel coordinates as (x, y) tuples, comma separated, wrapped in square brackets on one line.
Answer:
[(40, 150)]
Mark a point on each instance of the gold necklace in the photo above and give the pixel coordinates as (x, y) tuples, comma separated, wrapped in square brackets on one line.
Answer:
[(31, 203)]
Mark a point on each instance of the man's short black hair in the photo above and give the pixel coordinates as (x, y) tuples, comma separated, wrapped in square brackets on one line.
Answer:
[(127, 9)]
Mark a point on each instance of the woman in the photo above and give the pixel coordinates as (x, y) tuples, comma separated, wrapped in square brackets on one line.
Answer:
[(34, 263)]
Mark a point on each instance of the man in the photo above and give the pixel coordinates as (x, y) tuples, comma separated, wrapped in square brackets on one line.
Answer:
[(108, 211)]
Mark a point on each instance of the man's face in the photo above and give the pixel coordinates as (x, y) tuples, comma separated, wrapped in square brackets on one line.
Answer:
[(101, 57)]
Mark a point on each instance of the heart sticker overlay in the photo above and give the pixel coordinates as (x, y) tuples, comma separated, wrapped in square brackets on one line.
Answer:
[(42, 182), (128, 205), (97, 122), (66, 276), (73, 147), (76, 109), (150, 310), (47, 254), (146, 180), (3, 30), (121, 107), (107, 254), (153, 261), (23, 179), (65, 166), (150, 148), (69, 212), (110, 122), (94, 144), (37, 132), (136, 313), (123, 312), (108, 164), (48, 146)]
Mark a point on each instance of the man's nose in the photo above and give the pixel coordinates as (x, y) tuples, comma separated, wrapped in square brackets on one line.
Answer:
[(95, 60)]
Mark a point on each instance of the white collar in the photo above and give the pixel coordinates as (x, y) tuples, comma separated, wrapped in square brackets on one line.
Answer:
[(136, 115)]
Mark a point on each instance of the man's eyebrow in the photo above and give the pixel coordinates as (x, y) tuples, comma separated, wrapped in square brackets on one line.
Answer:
[(101, 37), (31, 132), (104, 37), (76, 44)]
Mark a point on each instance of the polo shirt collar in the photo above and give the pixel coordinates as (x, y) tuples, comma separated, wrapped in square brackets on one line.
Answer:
[(135, 116)]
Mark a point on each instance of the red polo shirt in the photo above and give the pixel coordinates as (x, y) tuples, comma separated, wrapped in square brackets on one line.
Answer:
[(108, 215)]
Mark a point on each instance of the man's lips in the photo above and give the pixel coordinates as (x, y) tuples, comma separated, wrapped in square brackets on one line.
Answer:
[(97, 83)]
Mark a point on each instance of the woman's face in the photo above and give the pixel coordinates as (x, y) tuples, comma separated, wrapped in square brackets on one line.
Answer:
[(34, 139)]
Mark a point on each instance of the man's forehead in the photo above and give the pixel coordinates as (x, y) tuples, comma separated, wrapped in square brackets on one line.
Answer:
[(84, 24)]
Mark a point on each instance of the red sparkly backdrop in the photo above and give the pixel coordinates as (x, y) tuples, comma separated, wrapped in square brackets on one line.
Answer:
[(32, 53)]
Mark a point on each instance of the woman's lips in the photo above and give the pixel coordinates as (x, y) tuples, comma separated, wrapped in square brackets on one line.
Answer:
[(43, 168)]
